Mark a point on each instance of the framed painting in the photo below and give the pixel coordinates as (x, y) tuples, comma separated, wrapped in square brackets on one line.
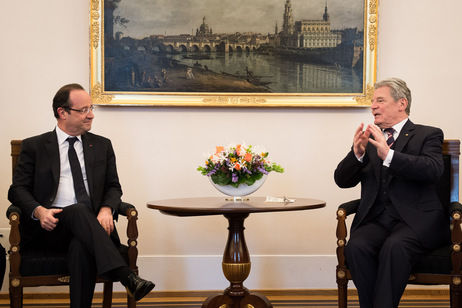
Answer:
[(211, 53)]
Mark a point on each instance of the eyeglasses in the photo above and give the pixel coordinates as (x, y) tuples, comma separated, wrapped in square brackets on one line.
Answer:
[(85, 110)]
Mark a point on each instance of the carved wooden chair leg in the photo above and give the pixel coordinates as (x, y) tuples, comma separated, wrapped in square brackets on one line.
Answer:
[(107, 294), (131, 303), (342, 296), (16, 297), (456, 295)]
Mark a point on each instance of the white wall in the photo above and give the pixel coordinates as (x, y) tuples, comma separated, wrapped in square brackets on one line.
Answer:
[(45, 44)]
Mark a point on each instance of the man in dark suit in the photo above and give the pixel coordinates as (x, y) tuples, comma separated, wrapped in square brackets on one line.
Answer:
[(400, 216), (59, 215)]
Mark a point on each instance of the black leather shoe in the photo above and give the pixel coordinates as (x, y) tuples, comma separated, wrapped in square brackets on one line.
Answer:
[(137, 287)]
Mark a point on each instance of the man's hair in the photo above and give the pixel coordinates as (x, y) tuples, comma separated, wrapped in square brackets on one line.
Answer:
[(61, 98), (398, 90)]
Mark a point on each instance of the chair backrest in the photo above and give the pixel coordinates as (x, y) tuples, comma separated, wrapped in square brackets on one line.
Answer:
[(15, 150), (448, 186)]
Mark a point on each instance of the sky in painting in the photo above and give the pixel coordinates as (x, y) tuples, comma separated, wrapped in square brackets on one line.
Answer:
[(173, 17)]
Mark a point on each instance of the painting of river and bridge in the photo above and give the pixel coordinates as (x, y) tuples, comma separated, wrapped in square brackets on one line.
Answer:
[(264, 47)]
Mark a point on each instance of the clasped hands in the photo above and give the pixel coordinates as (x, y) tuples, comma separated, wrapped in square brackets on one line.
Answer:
[(48, 221), (362, 137)]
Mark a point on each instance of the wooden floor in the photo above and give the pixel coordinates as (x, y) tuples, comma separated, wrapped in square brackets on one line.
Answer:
[(279, 299)]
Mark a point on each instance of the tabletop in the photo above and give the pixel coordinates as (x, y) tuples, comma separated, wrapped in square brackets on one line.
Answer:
[(220, 206)]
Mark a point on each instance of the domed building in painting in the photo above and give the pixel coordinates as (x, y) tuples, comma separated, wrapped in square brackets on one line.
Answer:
[(204, 29)]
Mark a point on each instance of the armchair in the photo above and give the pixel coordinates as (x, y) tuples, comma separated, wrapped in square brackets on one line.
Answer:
[(33, 268), (439, 267)]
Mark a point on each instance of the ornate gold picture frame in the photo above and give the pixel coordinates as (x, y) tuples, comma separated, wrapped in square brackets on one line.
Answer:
[(325, 60)]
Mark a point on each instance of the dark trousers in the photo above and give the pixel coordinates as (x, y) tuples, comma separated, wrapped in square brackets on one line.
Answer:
[(380, 255), (90, 251)]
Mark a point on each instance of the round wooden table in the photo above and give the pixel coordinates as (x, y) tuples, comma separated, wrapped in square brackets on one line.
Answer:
[(236, 258)]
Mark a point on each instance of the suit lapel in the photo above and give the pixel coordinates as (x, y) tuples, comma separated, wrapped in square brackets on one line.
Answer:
[(89, 156), (52, 149), (404, 136)]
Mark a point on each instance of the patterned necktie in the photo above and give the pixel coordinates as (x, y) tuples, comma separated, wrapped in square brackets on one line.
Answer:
[(390, 138), (79, 186)]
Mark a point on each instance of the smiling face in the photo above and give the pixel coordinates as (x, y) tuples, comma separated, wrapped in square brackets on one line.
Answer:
[(386, 111), (73, 122)]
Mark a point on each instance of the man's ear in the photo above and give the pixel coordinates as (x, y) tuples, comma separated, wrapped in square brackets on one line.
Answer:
[(62, 113), (402, 104)]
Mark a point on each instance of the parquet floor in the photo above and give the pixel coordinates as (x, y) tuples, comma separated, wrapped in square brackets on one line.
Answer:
[(182, 300)]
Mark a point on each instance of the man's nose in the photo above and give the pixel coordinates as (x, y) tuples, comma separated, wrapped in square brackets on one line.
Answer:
[(90, 114)]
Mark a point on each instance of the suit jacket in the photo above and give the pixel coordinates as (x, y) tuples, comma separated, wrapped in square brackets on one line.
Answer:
[(36, 178), (415, 169)]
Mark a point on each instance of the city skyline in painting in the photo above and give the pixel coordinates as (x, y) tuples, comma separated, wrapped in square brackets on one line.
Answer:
[(175, 17)]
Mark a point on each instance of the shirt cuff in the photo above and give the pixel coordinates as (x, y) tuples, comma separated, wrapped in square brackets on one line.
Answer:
[(32, 215), (387, 161)]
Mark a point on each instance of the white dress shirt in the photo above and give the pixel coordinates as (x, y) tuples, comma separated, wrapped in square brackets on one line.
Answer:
[(398, 127), (66, 194)]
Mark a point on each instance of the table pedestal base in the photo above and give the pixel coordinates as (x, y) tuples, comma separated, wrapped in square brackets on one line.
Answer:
[(251, 300), (236, 268)]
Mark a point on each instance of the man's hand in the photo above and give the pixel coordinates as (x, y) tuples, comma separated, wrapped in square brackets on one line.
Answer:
[(360, 141), (379, 141), (105, 219), (47, 218)]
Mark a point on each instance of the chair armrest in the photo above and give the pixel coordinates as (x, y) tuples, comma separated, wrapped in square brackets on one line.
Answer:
[(124, 207), (343, 211), (350, 207), (13, 209), (14, 215), (455, 209), (128, 210)]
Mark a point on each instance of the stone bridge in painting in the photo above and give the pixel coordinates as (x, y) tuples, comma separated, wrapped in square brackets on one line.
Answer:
[(179, 45)]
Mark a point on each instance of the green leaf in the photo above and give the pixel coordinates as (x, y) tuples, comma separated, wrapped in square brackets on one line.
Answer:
[(221, 179), (277, 168)]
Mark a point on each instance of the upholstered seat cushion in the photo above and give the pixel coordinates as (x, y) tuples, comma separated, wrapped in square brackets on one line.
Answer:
[(436, 262), (38, 262)]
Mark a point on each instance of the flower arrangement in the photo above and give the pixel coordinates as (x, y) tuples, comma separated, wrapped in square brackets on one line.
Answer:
[(238, 164)]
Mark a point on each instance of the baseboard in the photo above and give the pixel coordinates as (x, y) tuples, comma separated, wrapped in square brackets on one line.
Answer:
[(205, 294)]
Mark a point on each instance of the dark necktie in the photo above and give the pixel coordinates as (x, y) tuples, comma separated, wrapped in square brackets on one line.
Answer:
[(79, 186), (390, 138)]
